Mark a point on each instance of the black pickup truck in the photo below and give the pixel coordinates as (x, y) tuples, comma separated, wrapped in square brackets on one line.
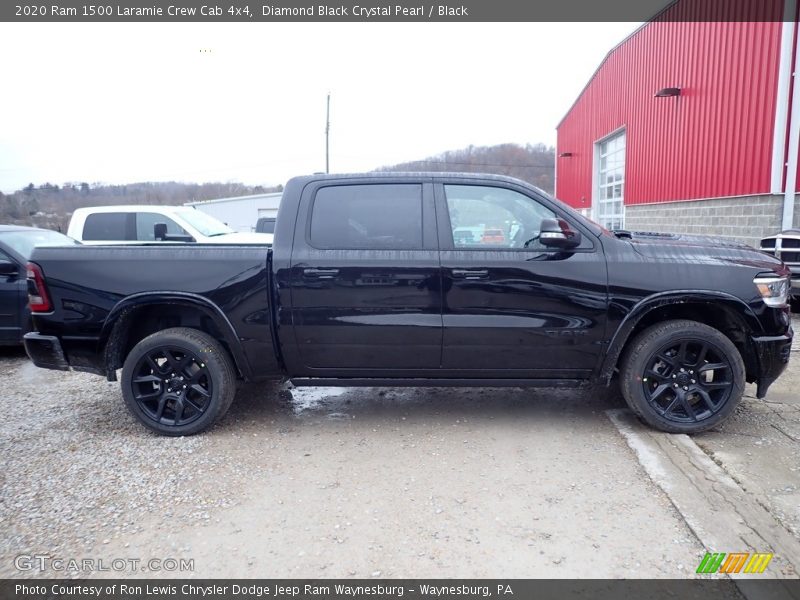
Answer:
[(418, 279)]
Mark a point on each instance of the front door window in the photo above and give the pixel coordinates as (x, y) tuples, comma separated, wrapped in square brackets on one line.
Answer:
[(484, 217)]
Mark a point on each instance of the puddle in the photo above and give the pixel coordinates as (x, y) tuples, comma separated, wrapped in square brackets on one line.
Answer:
[(314, 398)]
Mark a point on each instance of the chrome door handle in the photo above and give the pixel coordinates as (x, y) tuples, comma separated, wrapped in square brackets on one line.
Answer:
[(470, 273), (321, 273)]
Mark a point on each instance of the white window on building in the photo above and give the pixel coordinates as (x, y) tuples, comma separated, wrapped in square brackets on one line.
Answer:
[(609, 206)]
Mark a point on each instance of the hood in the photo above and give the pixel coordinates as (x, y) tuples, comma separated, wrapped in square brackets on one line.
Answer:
[(242, 238), (697, 248), (681, 239)]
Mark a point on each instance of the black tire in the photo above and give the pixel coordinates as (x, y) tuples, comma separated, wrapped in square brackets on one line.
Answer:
[(682, 376), (178, 381)]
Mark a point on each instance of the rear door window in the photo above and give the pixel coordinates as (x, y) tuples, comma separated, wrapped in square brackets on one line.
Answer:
[(374, 216), (110, 226)]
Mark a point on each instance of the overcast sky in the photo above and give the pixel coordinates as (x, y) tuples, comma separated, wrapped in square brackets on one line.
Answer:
[(119, 103)]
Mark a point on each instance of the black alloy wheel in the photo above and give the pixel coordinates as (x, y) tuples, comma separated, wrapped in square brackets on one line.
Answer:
[(688, 381), (178, 381), (682, 376), (172, 386)]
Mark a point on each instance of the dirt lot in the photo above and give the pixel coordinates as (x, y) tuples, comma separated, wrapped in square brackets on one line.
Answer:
[(369, 482)]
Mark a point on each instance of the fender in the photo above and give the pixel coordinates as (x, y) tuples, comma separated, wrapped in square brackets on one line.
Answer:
[(737, 307), (116, 321)]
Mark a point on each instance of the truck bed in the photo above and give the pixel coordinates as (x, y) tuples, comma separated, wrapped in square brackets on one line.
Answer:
[(93, 287)]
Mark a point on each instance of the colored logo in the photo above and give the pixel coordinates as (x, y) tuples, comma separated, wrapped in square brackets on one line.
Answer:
[(735, 562)]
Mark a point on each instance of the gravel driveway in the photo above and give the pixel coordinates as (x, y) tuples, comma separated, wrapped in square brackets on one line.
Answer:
[(360, 482)]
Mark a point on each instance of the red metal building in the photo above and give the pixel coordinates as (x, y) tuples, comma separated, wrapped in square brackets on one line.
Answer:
[(688, 124)]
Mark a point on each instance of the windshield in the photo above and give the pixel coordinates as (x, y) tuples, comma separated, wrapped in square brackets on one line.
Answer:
[(595, 228), (591, 224), (23, 241), (205, 224)]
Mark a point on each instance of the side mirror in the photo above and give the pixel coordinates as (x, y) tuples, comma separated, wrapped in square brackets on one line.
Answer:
[(556, 233), (160, 234), (8, 268), (160, 231)]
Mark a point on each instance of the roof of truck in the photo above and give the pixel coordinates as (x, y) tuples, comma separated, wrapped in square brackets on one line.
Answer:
[(414, 174), (133, 208)]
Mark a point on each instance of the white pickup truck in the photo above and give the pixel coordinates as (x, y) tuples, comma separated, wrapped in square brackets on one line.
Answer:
[(130, 224), (786, 247)]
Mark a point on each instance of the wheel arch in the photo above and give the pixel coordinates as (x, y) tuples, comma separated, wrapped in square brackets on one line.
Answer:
[(719, 310), (139, 315)]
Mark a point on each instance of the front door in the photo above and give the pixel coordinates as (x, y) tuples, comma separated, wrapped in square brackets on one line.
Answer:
[(365, 279), (512, 307)]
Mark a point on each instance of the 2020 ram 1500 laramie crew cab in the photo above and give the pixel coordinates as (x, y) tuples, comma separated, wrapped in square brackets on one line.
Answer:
[(366, 284)]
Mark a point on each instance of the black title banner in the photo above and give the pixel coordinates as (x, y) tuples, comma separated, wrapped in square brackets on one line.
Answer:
[(394, 10)]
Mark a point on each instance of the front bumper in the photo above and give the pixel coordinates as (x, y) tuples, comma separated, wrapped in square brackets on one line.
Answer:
[(772, 353), (45, 351)]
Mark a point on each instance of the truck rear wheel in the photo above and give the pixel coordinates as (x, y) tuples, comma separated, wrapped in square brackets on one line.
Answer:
[(178, 381), (682, 376)]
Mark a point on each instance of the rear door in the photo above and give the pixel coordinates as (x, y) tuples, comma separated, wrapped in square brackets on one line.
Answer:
[(513, 308), (365, 279)]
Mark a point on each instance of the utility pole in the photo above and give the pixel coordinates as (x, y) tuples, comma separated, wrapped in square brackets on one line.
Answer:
[(327, 134)]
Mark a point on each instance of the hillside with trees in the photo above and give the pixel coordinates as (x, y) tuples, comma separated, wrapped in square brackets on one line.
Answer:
[(51, 206), (534, 163)]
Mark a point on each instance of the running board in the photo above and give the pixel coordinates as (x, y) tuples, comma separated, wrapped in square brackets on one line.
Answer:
[(435, 382)]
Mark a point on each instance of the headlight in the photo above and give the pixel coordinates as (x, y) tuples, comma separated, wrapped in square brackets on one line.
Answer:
[(774, 290)]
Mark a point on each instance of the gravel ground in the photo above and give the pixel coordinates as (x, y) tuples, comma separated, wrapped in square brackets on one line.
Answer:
[(339, 483), (70, 472), (332, 482)]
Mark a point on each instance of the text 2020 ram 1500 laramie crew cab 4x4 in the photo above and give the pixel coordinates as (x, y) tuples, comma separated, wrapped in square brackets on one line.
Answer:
[(366, 284)]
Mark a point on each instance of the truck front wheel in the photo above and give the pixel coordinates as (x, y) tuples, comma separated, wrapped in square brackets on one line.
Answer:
[(178, 381), (682, 376)]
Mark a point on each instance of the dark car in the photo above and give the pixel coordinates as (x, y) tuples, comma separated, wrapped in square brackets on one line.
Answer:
[(16, 244), (265, 225), (463, 237)]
